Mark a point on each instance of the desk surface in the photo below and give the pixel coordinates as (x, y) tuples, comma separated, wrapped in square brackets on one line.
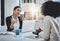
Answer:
[(22, 37)]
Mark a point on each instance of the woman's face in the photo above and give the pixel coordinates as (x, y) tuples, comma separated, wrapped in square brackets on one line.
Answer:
[(17, 11)]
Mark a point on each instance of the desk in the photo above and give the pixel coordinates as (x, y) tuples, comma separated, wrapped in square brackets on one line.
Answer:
[(21, 37)]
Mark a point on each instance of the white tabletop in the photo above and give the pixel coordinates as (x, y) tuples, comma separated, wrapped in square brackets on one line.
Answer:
[(22, 37)]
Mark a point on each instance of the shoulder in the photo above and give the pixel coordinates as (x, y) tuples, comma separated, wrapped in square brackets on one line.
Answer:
[(8, 17), (18, 16), (48, 18)]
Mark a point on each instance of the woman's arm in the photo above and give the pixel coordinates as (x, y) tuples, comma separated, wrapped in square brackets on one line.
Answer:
[(8, 23), (47, 28)]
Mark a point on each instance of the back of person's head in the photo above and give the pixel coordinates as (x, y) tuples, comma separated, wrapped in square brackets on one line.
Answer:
[(51, 8)]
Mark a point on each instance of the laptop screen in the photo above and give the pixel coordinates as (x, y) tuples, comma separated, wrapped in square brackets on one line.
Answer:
[(28, 25)]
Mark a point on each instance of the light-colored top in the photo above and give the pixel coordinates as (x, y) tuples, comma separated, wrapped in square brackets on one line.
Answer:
[(48, 30), (58, 19), (16, 25)]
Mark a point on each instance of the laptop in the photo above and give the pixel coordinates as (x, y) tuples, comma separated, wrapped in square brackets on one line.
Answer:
[(28, 25)]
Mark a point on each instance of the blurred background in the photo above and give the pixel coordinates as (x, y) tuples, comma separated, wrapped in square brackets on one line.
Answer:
[(31, 11)]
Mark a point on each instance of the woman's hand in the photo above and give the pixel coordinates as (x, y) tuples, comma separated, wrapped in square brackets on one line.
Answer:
[(38, 30), (12, 24)]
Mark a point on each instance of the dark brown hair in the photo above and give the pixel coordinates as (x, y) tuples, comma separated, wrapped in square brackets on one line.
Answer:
[(51, 8), (16, 7)]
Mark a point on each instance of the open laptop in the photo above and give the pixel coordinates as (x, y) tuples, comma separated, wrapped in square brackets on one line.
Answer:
[(28, 25)]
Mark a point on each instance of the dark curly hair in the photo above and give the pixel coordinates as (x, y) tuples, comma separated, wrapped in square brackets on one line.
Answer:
[(51, 8)]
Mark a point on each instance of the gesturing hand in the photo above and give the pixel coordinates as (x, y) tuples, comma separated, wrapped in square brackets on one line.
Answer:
[(12, 24)]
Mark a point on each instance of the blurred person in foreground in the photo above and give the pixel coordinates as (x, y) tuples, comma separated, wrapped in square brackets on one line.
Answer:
[(50, 10)]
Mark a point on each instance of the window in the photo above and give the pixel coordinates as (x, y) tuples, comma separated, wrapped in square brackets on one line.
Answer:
[(34, 1), (28, 1)]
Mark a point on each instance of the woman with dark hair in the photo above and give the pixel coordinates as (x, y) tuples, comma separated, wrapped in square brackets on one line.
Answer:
[(14, 21), (50, 10)]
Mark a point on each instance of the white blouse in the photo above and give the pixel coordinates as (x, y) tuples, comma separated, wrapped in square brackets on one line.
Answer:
[(16, 25)]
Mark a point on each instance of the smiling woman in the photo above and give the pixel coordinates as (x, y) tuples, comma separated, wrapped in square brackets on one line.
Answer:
[(14, 21)]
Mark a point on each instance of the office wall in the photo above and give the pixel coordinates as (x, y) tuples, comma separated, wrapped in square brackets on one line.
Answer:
[(0, 12), (41, 1), (9, 5)]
